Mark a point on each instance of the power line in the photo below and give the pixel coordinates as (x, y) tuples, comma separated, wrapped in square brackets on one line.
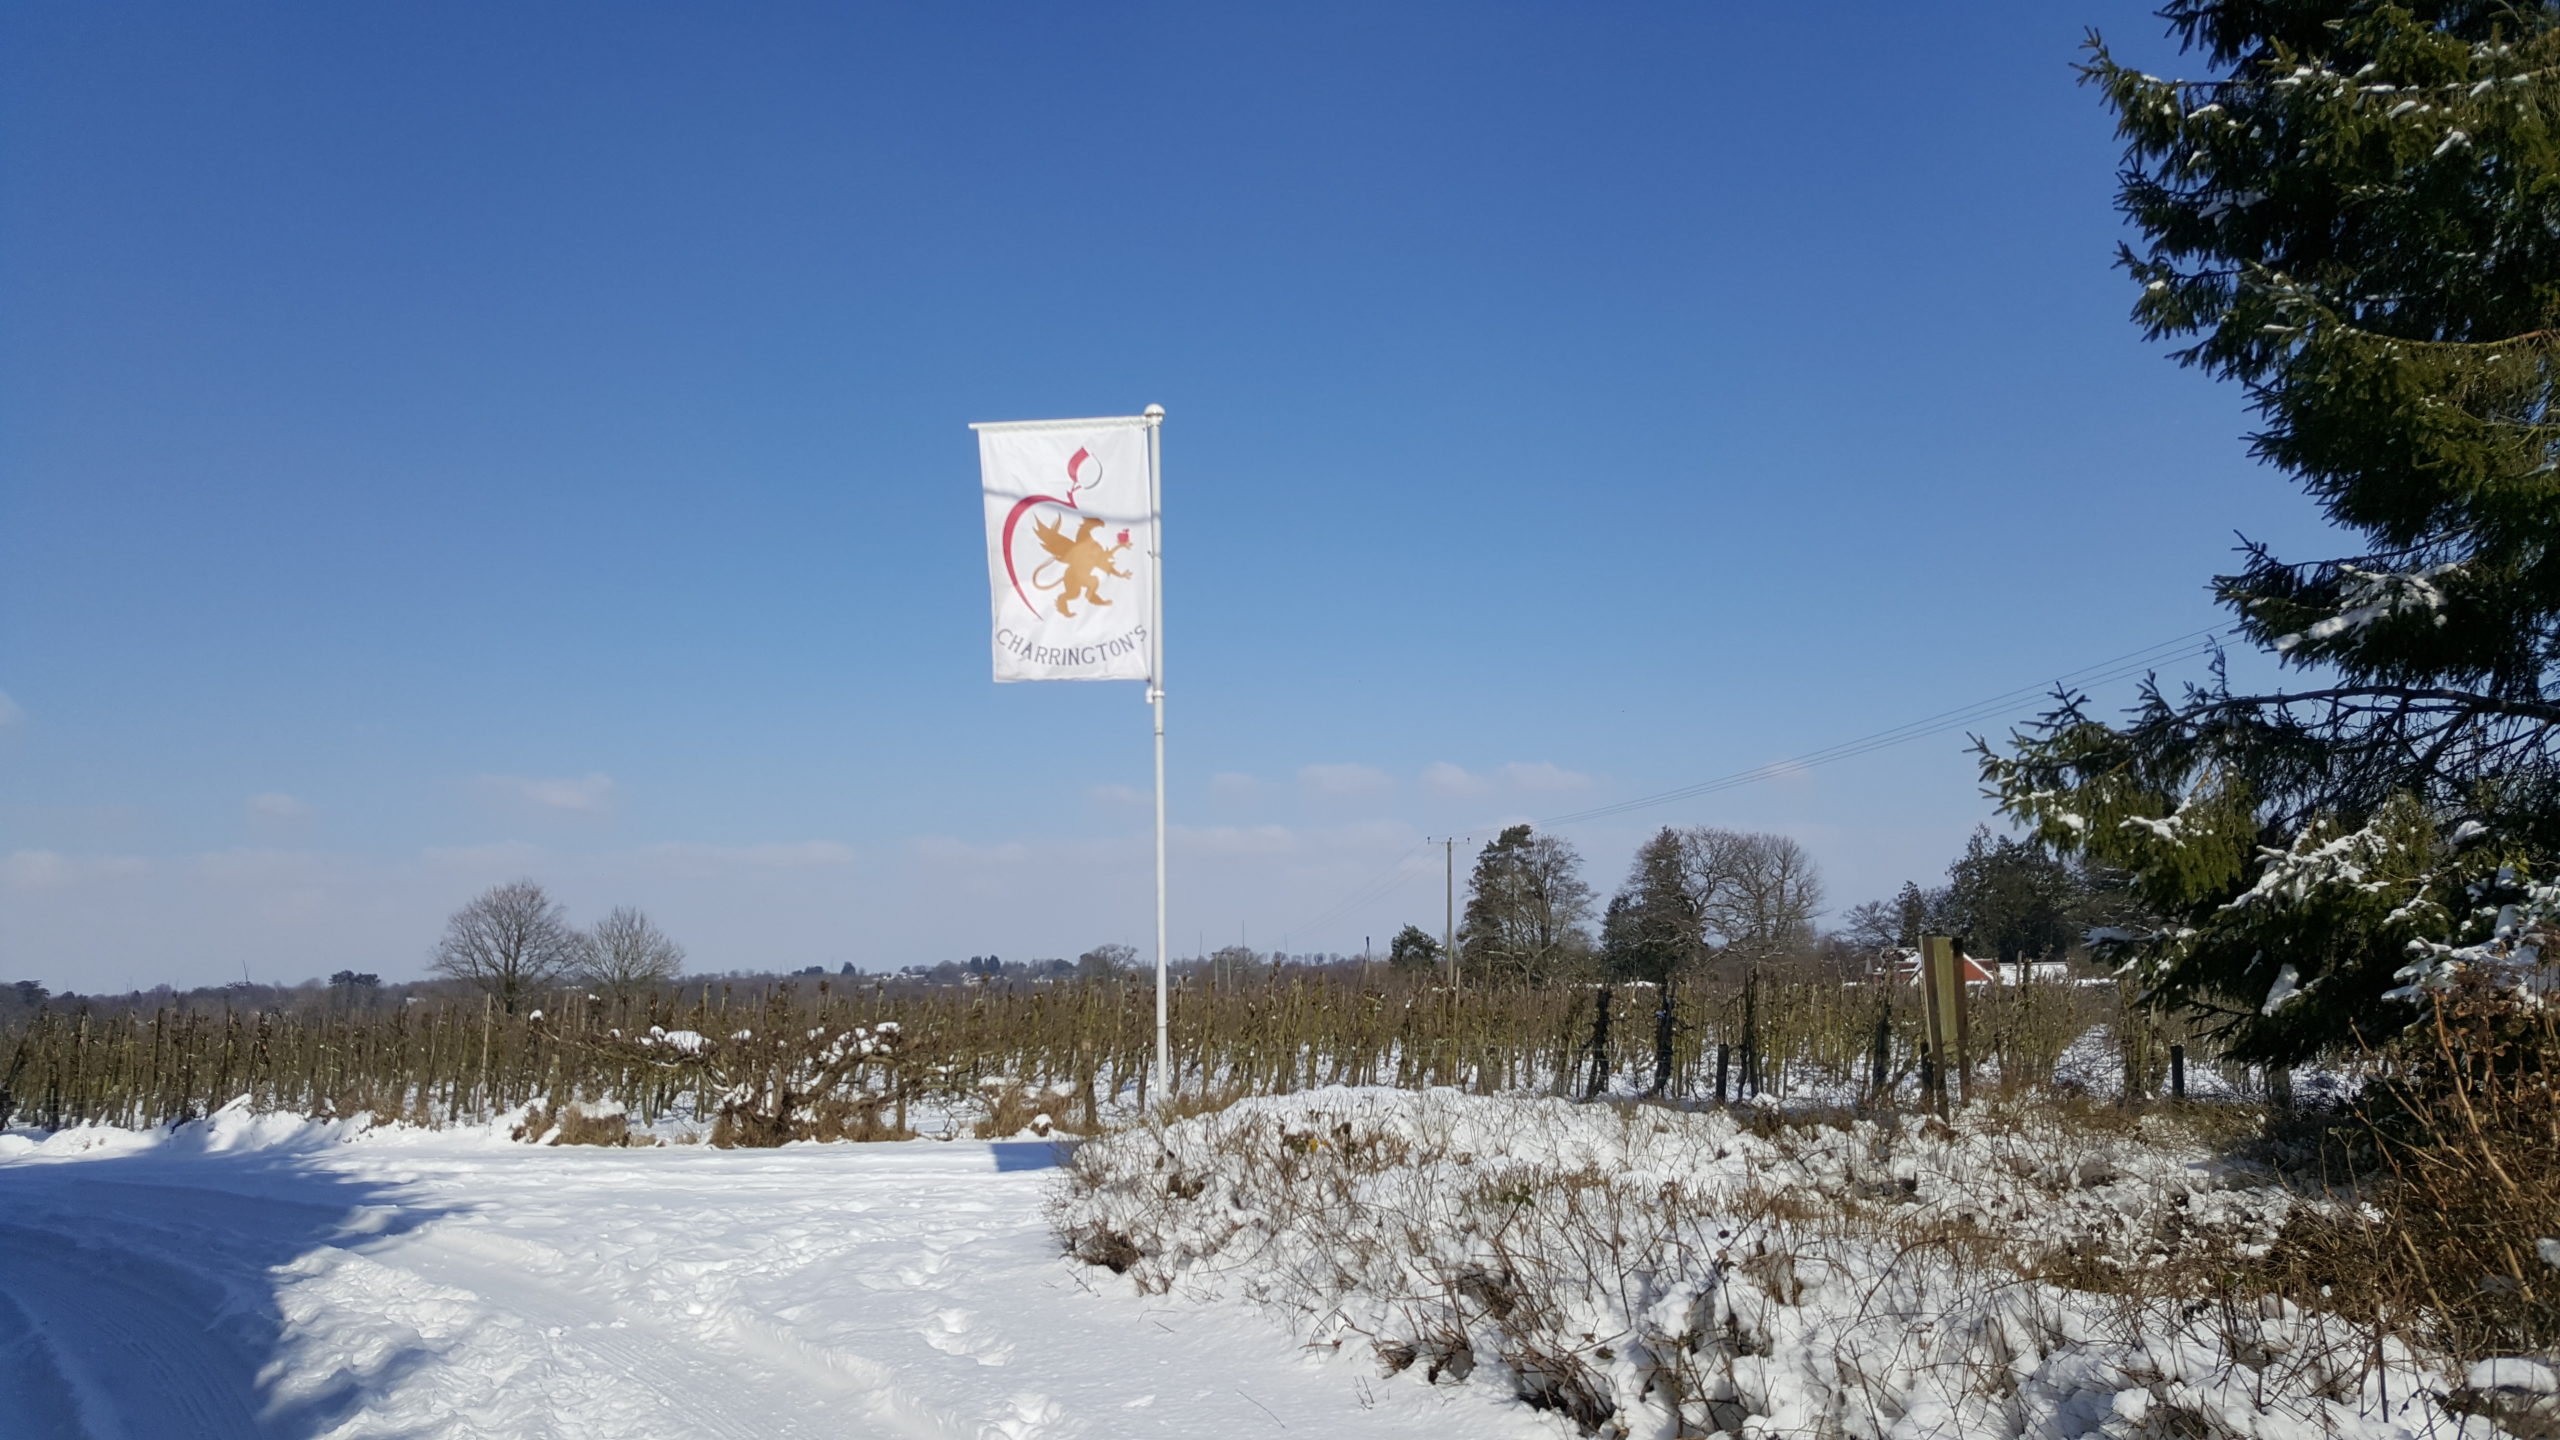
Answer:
[(1395, 876), (1377, 887), (2134, 662)]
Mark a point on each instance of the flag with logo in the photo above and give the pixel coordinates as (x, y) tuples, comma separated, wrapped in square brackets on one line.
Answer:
[(1070, 548)]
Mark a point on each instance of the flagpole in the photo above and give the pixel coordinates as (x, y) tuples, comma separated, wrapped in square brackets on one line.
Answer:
[(1155, 698)]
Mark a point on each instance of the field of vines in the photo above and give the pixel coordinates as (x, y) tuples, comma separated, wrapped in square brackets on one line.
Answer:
[(762, 1063)]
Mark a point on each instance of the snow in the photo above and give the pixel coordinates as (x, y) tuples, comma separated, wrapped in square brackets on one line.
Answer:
[(2511, 955), (2288, 984), (2509, 1373), (256, 1276), (2294, 875), (1681, 1273), (2371, 595), (688, 1042)]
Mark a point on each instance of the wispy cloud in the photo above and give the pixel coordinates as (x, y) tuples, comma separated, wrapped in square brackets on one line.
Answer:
[(1542, 778), (585, 795), (777, 855), (1234, 787), (53, 870), (1119, 797), (1444, 778), (260, 866), (281, 887), (1235, 839), (10, 714), (276, 805), (949, 850), (1345, 779), (1520, 776), (479, 859), (1362, 835)]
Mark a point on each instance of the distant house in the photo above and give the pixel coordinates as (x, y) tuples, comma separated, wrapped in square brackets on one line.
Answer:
[(1904, 965)]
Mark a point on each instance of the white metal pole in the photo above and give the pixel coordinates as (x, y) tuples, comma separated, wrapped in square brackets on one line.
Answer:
[(1449, 896), (1155, 698)]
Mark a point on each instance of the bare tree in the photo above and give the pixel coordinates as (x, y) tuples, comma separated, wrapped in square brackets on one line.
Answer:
[(512, 940), (1755, 893), (1870, 926), (1781, 893), (628, 955), (1104, 961)]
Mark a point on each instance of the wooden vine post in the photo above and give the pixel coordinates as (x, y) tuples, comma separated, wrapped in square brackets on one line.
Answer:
[(1942, 1001)]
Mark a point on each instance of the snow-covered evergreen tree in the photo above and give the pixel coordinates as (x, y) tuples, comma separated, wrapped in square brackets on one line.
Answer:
[(2357, 219)]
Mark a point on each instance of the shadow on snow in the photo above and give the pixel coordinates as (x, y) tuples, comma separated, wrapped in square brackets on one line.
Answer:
[(139, 1293)]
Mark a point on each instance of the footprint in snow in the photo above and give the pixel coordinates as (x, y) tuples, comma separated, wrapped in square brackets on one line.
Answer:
[(949, 1330), (1032, 1415)]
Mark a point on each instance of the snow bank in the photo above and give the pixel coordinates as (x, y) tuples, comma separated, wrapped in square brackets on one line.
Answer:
[(232, 1128), (1651, 1272)]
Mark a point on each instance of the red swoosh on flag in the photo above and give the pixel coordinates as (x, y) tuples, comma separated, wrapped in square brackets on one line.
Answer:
[(1013, 519)]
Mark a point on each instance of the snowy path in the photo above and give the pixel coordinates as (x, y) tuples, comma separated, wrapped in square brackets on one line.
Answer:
[(454, 1285)]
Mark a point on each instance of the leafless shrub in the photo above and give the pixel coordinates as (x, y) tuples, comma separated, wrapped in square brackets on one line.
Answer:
[(1013, 1107), (861, 1117), (587, 1128), (775, 1083), (1565, 1385), (1103, 1246), (2447, 1167), (1208, 1100), (574, 1124), (1629, 1277)]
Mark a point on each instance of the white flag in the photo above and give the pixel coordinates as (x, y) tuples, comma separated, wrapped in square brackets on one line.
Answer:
[(1070, 548)]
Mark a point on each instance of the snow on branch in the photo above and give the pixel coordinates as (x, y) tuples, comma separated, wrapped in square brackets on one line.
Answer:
[(2372, 595), (2514, 956)]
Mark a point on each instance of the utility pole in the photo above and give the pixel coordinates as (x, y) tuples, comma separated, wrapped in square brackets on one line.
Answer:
[(1449, 922)]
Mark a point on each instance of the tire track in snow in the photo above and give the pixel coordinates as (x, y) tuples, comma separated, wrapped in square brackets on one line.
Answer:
[(138, 1344), (446, 1287)]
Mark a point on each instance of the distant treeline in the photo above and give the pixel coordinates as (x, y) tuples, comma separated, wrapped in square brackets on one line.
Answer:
[(350, 990)]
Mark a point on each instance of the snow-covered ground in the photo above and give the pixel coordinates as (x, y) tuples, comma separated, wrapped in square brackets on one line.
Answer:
[(266, 1277), (1655, 1272)]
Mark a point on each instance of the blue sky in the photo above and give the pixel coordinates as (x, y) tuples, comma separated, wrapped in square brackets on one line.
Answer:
[(446, 443)]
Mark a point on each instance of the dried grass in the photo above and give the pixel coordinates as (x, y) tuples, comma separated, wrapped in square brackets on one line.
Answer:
[(1012, 1108), (2447, 1169), (573, 1124)]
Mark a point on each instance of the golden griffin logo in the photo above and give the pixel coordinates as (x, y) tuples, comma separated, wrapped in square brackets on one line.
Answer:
[(1076, 564), (1072, 566)]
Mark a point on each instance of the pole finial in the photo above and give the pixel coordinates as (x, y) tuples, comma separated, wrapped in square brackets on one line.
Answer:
[(1154, 412)]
